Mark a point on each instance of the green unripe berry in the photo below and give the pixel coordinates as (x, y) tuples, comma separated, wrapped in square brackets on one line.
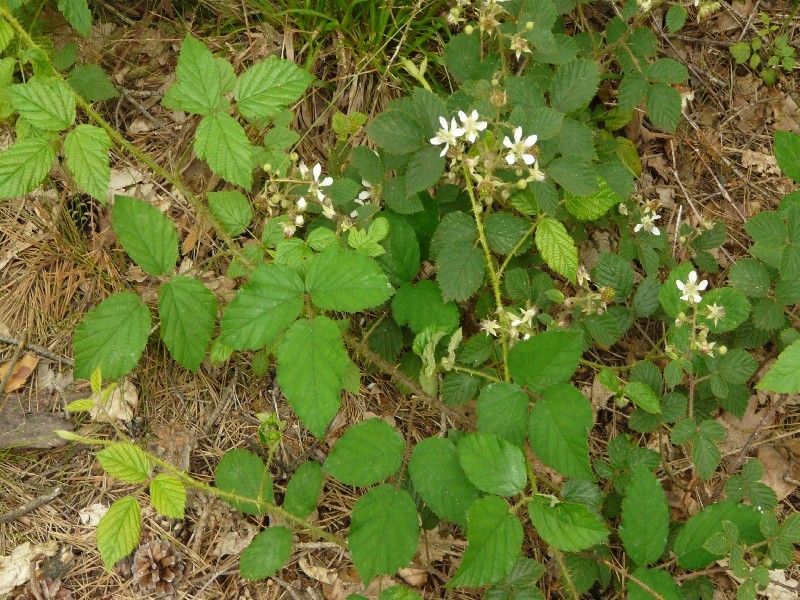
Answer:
[(469, 29)]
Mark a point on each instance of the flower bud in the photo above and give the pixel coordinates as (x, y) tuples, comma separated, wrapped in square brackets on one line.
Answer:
[(722, 350), (302, 204), (294, 157), (522, 184), (299, 220), (469, 29), (529, 25)]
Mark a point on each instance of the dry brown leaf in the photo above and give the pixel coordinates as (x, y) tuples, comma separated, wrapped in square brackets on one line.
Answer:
[(117, 405), (15, 569), (779, 466), (20, 373), (413, 576), (737, 432), (318, 573), (91, 515), (766, 164), (234, 541)]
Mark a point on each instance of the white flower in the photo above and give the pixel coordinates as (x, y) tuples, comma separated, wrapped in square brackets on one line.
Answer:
[(471, 124), (525, 318), (328, 211), (366, 193), (715, 313), (647, 224), (490, 327), (299, 220), (301, 204), (447, 135), (691, 289), (317, 185), (304, 170), (583, 276), (536, 174), (518, 149)]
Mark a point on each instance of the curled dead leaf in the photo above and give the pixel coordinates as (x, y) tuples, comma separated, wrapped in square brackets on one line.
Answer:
[(20, 373), (117, 404)]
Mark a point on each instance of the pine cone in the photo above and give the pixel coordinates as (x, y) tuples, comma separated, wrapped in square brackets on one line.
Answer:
[(47, 589), (157, 568)]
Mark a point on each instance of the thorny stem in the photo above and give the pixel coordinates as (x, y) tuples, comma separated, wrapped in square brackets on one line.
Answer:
[(565, 573), (460, 369), (516, 248), (494, 275)]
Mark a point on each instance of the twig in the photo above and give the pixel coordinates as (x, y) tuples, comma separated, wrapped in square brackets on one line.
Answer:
[(38, 350), (638, 582), (31, 506)]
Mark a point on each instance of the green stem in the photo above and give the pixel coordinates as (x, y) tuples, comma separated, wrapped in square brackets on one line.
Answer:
[(460, 369), (516, 248)]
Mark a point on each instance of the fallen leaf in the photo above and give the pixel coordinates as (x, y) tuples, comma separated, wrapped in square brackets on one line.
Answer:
[(738, 431), (234, 541), (766, 164), (318, 573), (172, 443), (119, 404), (15, 569), (20, 373), (780, 470), (91, 515), (48, 380), (413, 576), (777, 592)]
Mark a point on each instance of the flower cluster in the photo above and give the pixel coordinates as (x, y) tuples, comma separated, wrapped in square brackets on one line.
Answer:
[(448, 135), (517, 324)]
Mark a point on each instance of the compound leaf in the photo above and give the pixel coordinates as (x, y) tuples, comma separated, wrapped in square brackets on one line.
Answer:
[(339, 279), (567, 526), (168, 496), (270, 85), (545, 359), (492, 464), (557, 248), (46, 103), (645, 517), (147, 234), (125, 461)]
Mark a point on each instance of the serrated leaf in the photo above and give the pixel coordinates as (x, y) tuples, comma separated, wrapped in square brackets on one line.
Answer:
[(438, 478), (401, 259), (614, 271), (660, 582), (784, 376), (243, 474), (676, 17), (311, 368), (494, 542), (594, 206), (118, 530), (112, 336), (503, 410), (557, 248), (303, 489), (232, 210), (125, 461), (632, 90), (266, 554), (575, 174), (384, 531), (460, 272), (558, 429), (91, 82), (567, 526), (664, 107), (425, 168), (168, 495), (645, 517), (86, 151), (263, 308), (82, 405), (667, 70), (397, 132), (269, 86), (24, 166), (574, 85), (198, 87), (187, 310), (643, 396), (147, 234), (492, 464), (505, 230), (787, 153), (366, 454), (545, 359), (46, 103), (339, 279), (77, 14), (221, 141)]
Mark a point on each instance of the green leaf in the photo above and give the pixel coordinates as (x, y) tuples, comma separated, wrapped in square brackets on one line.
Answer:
[(147, 234), (198, 87), (567, 526), (676, 17), (557, 248), (425, 168), (614, 271), (86, 151), (269, 86), (311, 368), (168, 496), (787, 153), (643, 396), (505, 230), (221, 141), (303, 489), (232, 210), (458, 388), (632, 90), (750, 276), (367, 453), (784, 376), (401, 257), (664, 106), (455, 229), (558, 430), (545, 359), (24, 166), (91, 82), (689, 545), (492, 464), (576, 139), (575, 174), (494, 542), (118, 530), (343, 280), (125, 461), (187, 310), (669, 295), (667, 70), (77, 14), (658, 581), (112, 336), (593, 206), (438, 478), (262, 308), (503, 410), (46, 103), (384, 532), (460, 272), (574, 85), (266, 554), (244, 474), (396, 592), (397, 132), (645, 517)]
